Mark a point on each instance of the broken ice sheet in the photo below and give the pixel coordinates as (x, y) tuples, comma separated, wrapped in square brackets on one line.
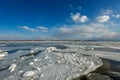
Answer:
[(49, 65)]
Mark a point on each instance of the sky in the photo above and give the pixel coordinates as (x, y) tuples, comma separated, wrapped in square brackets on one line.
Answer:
[(60, 19)]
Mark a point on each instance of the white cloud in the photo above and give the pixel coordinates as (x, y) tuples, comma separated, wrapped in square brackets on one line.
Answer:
[(78, 18), (86, 31), (38, 29), (28, 28), (42, 29), (83, 18), (103, 18)]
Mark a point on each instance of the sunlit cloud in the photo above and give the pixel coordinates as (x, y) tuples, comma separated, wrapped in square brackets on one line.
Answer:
[(103, 18), (79, 18), (86, 31)]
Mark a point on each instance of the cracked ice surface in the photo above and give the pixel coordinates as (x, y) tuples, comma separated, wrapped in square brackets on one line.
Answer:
[(46, 64), (107, 50)]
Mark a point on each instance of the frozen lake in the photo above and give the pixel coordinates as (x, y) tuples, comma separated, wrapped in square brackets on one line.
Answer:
[(58, 60)]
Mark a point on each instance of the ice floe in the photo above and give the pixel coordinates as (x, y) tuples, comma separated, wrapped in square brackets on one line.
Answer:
[(51, 63), (50, 49), (12, 67), (28, 73), (3, 54)]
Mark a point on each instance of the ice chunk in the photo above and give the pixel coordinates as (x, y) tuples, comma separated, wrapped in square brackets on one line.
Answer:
[(28, 74), (35, 60), (31, 63), (50, 49), (65, 67), (3, 54), (12, 67), (32, 51)]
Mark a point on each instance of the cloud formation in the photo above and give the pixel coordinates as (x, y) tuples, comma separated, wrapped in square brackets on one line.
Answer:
[(79, 18), (28, 28), (38, 29), (94, 30), (86, 31), (103, 18)]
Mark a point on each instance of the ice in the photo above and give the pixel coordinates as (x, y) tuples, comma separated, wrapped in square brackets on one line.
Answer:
[(47, 62), (103, 54), (12, 67), (107, 50), (28, 73), (48, 65), (31, 63), (50, 49), (3, 54)]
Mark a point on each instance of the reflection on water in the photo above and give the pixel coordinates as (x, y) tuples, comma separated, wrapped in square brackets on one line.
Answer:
[(110, 68)]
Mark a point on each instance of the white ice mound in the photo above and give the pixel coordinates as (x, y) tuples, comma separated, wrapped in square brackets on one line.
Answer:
[(28, 73), (64, 66), (3, 54), (50, 49), (12, 67), (51, 65)]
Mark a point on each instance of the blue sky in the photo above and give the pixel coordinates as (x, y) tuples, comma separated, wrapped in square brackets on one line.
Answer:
[(60, 19)]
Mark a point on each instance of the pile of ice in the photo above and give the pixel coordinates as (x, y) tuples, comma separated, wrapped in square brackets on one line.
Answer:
[(47, 65)]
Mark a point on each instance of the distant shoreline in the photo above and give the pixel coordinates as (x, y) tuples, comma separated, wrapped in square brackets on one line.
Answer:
[(62, 40), (49, 40)]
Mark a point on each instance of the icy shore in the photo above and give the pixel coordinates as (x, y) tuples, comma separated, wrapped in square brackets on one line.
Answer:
[(45, 64), (53, 60)]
